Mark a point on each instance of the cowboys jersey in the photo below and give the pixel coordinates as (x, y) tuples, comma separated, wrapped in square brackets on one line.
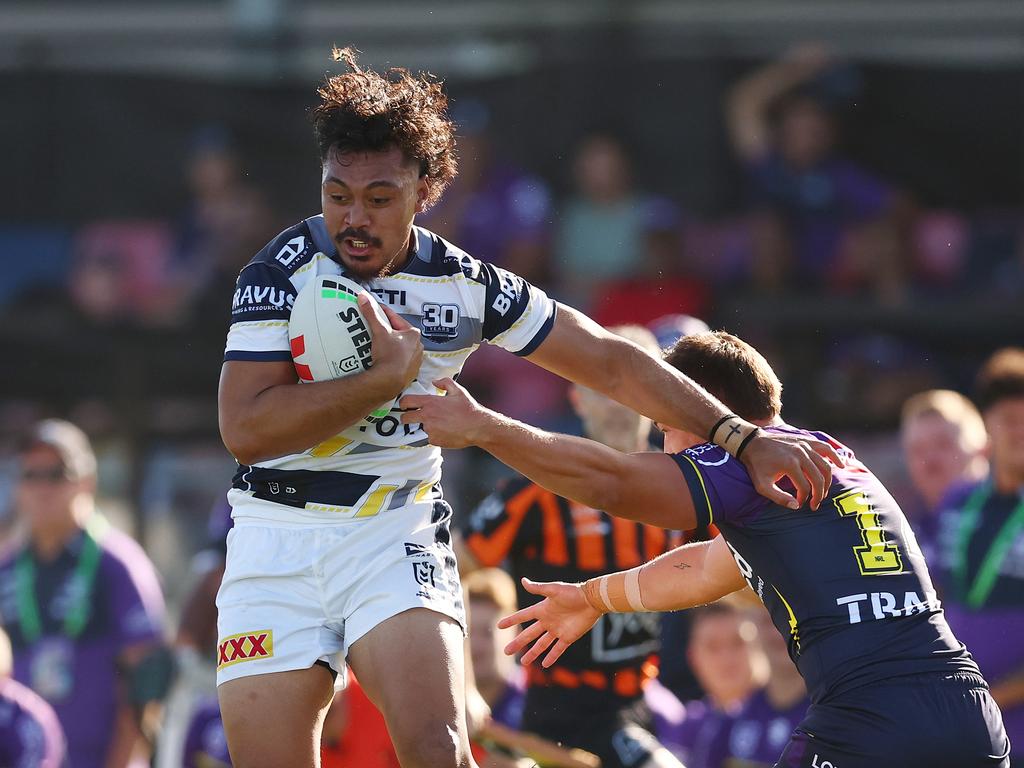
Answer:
[(375, 466)]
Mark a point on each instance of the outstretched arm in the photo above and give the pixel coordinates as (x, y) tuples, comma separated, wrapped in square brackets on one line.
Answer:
[(749, 100), (581, 351), (646, 487), (688, 576)]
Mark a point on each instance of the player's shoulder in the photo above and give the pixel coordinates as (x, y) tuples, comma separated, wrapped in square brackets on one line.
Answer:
[(294, 247), (436, 257)]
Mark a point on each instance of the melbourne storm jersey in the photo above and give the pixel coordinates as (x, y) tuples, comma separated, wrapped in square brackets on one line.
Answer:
[(846, 584), (456, 301)]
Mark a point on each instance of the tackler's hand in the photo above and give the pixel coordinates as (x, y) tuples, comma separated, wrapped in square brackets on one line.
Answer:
[(451, 420), (805, 461), (559, 620)]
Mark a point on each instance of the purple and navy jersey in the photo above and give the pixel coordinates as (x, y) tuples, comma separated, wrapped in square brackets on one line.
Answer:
[(30, 734), (757, 734), (846, 585), (80, 676), (205, 743)]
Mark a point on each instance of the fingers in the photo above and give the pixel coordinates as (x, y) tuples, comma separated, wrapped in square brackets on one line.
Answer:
[(411, 402), (519, 617), (538, 648), (372, 320), (398, 322), (821, 478), (555, 653), (545, 588), (524, 638), (824, 449)]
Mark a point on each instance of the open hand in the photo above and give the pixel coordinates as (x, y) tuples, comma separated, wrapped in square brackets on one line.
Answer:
[(559, 620), (805, 461)]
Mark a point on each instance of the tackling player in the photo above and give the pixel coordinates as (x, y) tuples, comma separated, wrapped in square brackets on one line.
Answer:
[(341, 539), (846, 586)]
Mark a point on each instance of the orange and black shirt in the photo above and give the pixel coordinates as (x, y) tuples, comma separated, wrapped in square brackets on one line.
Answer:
[(544, 537)]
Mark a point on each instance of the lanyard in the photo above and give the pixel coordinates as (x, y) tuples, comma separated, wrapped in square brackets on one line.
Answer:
[(84, 576), (988, 572)]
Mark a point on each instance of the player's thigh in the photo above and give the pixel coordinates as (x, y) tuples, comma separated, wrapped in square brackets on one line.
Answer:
[(412, 667), (274, 720)]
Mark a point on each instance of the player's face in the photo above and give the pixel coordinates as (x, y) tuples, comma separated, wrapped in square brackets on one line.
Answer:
[(721, 655), (369, 200), (1005, 423), (936, 455), (487, 642), (610, 422), (45, 495)]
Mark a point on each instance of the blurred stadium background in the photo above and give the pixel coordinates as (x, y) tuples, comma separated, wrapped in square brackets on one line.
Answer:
[(152, 148)]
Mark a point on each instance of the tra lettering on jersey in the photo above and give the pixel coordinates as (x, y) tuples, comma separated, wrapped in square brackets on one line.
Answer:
[(845, 584), (379, 464)]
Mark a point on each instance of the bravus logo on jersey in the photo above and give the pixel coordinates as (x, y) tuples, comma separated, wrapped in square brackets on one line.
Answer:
[(245, 646), (256, 298)]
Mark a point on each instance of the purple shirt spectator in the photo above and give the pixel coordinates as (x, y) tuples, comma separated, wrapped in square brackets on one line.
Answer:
[(818, 204), (692, 732), (30, 734), (508, 709), (77, 672), (758, 733), (205, 743), (991, 627)]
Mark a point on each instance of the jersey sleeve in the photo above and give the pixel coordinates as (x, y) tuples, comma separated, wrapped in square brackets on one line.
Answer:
[(722, 490), (517, 316), (260, 309), (498, 527)]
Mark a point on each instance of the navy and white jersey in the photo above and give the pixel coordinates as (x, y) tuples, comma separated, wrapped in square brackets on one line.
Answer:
[(846, 585), (455, 300)]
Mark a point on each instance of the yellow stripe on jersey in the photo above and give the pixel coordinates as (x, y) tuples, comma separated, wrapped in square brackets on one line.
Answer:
[(330, 446), (423, 491), (793, 630), (707, 499), (375, 502)]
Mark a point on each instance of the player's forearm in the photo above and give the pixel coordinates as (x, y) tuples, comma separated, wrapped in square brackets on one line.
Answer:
[(125, 739), (673, 581), (573, 467), (291, 418)]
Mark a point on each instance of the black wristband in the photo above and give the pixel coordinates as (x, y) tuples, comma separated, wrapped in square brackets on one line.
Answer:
[(720, 422), (753, 433)]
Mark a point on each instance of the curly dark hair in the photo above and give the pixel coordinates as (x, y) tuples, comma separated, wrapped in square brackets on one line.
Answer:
[(364, 111)]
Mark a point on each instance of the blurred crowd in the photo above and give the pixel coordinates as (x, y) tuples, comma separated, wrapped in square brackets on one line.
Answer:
[(100, 669)]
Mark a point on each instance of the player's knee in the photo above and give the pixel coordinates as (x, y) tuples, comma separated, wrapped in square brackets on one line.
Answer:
[(433, 746)]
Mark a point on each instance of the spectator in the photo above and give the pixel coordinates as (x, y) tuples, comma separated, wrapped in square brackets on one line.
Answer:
[(355, 733), (82, 605), (494, 210), (491, 594), (982, 544), (820, 220), (602, 226), (205, 743), (729, 666), (30, 734), (758, 733), (944, 444)]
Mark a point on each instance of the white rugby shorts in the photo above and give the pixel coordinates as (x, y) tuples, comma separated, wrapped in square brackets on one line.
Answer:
[(293, 595)]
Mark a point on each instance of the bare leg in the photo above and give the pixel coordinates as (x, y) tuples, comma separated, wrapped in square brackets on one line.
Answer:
[(274, 720), (412, 667)]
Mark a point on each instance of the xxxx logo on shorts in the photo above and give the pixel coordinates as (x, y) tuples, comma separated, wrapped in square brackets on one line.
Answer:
[(245, 647)]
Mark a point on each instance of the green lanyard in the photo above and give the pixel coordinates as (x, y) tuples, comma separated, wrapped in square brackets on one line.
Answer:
[(85, 574), (977, 595)]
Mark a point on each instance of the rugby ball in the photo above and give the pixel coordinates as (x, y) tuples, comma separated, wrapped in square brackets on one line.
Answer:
[(327, 332)]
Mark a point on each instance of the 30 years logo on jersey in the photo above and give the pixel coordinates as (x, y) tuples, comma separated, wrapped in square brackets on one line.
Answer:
[(245, 646)]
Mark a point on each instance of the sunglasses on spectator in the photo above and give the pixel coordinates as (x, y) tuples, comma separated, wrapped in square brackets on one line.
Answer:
[(52, 475)]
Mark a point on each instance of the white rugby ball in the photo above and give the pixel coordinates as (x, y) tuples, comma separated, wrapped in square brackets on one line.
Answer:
[(327, 332)]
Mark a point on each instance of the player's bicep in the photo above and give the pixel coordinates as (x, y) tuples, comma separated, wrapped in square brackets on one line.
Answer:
[(241, 382), (648, 488), (576, 348)]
